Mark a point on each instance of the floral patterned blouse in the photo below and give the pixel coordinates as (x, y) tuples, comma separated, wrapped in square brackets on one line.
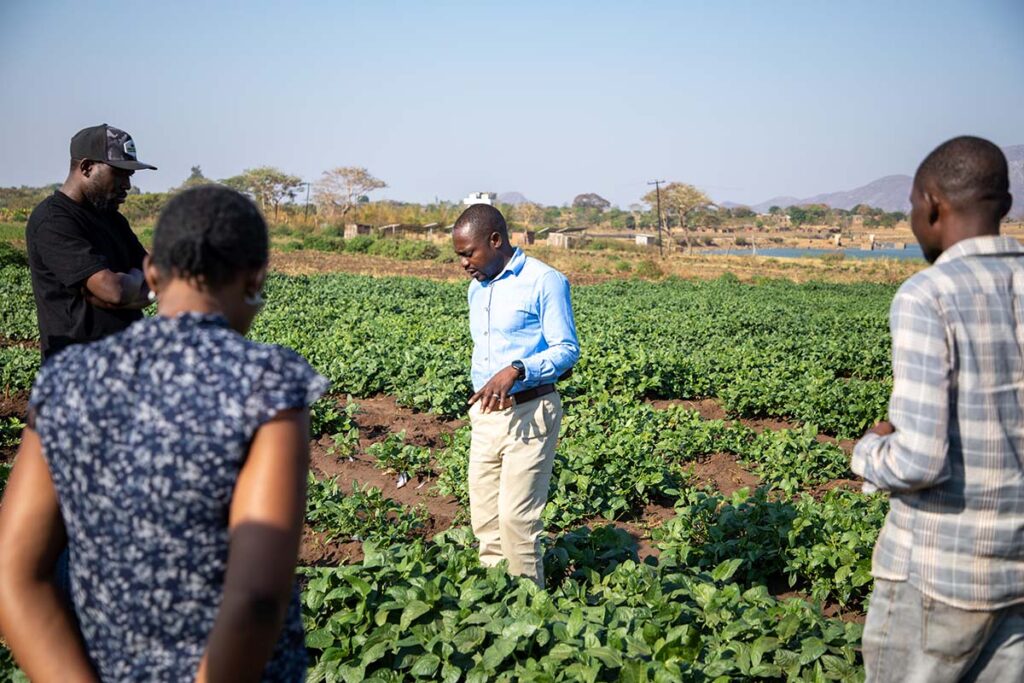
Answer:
[(145, 433)]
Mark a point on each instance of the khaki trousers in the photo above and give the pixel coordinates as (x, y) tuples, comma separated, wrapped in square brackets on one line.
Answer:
[(510, 459)]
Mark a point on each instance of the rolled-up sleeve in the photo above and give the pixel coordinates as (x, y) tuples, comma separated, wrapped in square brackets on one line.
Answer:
[(558, 327), (915, 455)]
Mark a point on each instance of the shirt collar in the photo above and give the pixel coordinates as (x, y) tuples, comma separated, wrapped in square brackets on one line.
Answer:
[(514, 266), (981, 246)]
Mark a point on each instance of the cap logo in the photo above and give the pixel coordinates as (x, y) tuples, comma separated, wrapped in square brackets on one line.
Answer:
[(129, 149)]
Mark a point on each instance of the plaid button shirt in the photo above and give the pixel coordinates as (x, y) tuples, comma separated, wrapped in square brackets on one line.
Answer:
[(955, 464)]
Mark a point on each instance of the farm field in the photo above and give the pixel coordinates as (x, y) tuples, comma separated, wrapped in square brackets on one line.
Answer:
[(703, 523)]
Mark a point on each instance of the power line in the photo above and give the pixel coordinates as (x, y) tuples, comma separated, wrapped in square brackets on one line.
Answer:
[(657, 191)]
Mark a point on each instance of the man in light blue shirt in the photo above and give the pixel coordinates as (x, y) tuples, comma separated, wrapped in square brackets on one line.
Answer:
[(524, 339)]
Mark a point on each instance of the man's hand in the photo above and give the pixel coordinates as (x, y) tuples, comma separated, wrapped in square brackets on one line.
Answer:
[(107, 289), (494, 394), (883, 428)]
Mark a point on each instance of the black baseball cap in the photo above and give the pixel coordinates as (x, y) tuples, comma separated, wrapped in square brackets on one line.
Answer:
[(110, 145)]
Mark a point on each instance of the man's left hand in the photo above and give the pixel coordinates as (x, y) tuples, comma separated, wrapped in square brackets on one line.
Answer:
[(883, 428), (494, 395)]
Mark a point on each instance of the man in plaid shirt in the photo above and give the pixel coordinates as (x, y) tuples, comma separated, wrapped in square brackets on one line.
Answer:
[(948, 603)]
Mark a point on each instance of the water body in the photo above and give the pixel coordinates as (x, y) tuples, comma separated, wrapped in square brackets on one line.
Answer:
[(911, 253)]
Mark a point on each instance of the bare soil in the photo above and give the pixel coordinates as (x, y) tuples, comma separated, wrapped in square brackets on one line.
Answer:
[(320, 262), (15, 405), (818, 492), (19, 343), (380, 415), (724, 472)]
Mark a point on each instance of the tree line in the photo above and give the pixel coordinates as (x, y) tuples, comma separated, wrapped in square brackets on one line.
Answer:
[(342, 195)]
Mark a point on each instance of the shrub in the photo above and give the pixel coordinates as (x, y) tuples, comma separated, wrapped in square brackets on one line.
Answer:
[(359, 244), (323, 243), (404, 250), (446, 256), (648, 269)]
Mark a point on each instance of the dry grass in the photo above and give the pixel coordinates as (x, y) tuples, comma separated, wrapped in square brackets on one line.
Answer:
[(586, 267)]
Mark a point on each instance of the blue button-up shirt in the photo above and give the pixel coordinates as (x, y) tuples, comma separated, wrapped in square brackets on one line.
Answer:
[(524, 313)]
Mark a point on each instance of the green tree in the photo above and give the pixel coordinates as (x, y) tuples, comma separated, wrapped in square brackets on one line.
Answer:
[(681, 201), (267, 185), (195, 179), (809, 214), (590, 201)]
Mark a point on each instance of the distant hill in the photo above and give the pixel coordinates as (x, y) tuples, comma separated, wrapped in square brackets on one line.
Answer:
[(513, 198), (892, 192)]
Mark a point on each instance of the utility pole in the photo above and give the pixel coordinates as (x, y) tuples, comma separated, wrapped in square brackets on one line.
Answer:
[(305, 212), (657, 192)]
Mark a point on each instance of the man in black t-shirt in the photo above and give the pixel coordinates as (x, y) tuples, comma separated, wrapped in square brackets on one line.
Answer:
[(85, 260)]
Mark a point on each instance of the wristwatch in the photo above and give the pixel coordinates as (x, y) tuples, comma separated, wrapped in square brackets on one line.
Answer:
[(520, 368)]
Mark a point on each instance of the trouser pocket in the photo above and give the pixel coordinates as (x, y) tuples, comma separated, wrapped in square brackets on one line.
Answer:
[(953, 634)]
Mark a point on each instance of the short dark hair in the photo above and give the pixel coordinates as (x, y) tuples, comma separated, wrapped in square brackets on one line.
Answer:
[(210, 233), (482, 220), (971, 173)]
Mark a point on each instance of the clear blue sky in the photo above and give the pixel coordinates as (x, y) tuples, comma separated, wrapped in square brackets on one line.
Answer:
[(746, 100)]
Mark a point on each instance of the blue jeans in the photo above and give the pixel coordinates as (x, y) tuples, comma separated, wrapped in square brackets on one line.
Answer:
[(911, 637)]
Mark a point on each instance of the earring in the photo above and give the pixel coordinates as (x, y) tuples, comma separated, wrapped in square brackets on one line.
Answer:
[(255, 300), (151, 296)]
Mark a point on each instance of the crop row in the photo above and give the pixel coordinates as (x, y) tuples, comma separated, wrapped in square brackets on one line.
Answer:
[(813, 353), (429, 611)]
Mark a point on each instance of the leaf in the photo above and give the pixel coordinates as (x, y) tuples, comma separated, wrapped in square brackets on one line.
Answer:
[(413, 611), (725, 570), (519, 629), (468, 639), (320, 639), (811, 648), (562, 651), (362, 587), (374, 652), (761, 647), (425, 666), (607, 656), (497, 652)]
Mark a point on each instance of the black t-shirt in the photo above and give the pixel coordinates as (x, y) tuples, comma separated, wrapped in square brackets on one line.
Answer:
[(68, 242)]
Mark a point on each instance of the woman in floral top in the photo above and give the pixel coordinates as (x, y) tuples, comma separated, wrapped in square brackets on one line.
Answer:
[(170, 460)]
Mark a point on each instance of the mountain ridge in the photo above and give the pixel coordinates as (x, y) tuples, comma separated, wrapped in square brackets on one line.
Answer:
[(892, 192)]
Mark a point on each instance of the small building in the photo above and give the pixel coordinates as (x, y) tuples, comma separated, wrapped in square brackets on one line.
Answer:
[(562, 240), (356, 229), (646, 240), (522, 239), (488, 198)]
